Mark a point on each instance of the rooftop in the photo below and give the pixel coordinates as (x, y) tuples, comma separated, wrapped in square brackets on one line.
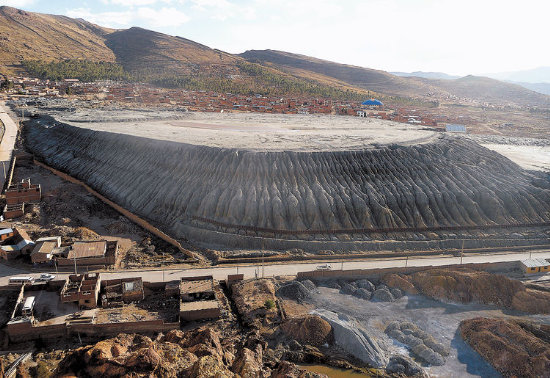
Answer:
[(80, 250), (535, 263), (198, 305), (198, 286)]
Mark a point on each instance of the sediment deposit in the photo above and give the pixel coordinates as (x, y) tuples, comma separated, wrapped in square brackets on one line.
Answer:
[(233, 184)]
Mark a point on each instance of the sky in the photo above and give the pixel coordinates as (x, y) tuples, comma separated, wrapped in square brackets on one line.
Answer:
[(457, 37)]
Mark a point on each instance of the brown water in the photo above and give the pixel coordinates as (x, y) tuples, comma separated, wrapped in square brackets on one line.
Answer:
[(332, 372)]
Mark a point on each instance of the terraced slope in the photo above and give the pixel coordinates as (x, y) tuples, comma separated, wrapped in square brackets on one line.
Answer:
[(449, 182)]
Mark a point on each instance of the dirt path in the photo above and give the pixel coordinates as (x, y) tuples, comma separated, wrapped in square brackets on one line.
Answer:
[(8, 142)]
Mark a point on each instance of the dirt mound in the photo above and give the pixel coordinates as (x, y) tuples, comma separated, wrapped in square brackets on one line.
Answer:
[(250, 298), (515, 349), (467, 285), (294, 290), (84, 233), (309, 329), (196, 353)]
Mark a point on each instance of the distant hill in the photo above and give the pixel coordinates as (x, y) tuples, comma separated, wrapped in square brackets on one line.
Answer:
[(426, 75), (43, 41), (537, 87), (535, 75), (376, 80), (470, 87)]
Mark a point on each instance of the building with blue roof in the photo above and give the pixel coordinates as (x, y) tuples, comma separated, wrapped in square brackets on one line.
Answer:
[(373, 102)]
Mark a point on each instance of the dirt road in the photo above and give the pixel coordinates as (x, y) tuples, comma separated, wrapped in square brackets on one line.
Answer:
[(251, 271), (8, 142)]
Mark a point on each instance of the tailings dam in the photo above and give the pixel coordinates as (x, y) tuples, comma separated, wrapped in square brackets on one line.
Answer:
[(280, 182)]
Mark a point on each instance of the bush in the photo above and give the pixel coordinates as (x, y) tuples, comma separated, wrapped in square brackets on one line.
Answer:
[(269, 304)]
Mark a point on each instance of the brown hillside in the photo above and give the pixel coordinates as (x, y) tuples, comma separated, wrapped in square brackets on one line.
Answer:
[(469, 87), (490, 90), (375, 80), (27, 35), (146, 51)]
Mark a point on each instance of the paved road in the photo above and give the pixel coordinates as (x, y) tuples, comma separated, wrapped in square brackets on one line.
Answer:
[(8, 142), (249, 271)]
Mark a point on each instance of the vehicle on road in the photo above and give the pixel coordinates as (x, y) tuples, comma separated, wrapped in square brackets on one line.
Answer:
[(21, 280), (46, 277), (324, 267)]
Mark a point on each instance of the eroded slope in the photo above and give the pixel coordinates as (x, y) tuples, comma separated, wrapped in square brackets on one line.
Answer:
[(446, 182)]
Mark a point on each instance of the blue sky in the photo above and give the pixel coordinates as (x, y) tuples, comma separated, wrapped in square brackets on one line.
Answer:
[(456, 37)]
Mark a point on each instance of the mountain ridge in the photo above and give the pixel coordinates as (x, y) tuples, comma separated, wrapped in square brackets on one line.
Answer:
[(176, 61)]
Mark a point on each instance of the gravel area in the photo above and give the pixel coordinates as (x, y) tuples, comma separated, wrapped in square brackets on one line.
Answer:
[(438, 319)]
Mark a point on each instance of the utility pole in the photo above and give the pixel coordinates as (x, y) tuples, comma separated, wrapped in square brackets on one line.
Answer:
[(462, 252), (407, 261), (74, 259)]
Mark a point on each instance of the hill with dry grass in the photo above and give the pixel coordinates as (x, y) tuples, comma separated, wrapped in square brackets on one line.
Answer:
[(27, 35), (470, 87)]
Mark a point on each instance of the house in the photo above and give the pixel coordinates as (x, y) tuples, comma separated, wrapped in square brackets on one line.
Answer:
[(531, 266), (82, 289), (17, 244), (6, 233), (23, 192), (119, 291), (88, 253), (14, 211), (198, 299)]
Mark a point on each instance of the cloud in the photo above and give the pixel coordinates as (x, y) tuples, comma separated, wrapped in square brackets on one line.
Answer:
[(143, 16), (135, 3), (16, 3), (108, 19), (164, 17)]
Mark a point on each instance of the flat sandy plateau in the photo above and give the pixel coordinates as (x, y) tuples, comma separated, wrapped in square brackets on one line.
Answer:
[(263, 132), (527, 157)]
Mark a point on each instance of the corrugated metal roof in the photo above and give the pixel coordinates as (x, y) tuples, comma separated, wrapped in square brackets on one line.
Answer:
[(535, 263), (453, 128)]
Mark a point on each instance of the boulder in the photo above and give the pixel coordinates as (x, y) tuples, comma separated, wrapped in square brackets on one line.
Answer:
[(347, 288), (382, 295), (365, 284), (248, 363), (353, 338), (363, 294), (403, 365), (308, 284), (294, 290), (396, 293), (308, 329)]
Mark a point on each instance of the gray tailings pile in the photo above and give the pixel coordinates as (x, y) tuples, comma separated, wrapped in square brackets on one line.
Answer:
[(237, 198), (353, 338)]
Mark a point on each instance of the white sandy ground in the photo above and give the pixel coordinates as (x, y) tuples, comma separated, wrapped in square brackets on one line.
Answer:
[(527, 157), (264, 132), (439, 319)]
